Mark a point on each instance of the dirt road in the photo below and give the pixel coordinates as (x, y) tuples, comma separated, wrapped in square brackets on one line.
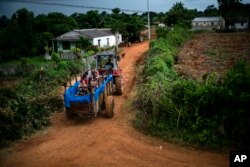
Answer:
[(104, 142)]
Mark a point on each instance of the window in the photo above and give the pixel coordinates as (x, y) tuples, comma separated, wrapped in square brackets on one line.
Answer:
[(66, 45), (99, 43), (107, 41), (212, 23)]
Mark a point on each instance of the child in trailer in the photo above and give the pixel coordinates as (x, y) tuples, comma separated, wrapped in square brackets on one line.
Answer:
[(95, 77), (83, 86)]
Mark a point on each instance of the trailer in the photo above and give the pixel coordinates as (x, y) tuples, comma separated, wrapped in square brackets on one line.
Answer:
[(89, 101)]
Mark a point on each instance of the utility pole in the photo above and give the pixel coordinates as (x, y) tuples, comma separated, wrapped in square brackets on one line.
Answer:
[(149, 34)]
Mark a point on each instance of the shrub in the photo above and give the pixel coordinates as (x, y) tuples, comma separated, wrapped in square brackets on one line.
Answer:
[(55, 57), (162, 32), (155, 65)]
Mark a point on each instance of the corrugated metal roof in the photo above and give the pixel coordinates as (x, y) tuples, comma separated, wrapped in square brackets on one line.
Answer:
[(75, 35), (69, 36), (93, 33), (204, 19)]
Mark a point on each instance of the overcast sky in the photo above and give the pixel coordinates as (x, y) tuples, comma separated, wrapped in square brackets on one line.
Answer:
[(8, 7)]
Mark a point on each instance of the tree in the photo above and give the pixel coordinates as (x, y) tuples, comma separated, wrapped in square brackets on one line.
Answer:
[(178, 14), (4, 21), (92, 19), (116, 11), (233, 9), (134, 25), (211, 10), (59, 23), (18, 39), (83, 43), (230, 8)]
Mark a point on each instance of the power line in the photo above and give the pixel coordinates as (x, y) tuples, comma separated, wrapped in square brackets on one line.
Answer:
[(78, 6)]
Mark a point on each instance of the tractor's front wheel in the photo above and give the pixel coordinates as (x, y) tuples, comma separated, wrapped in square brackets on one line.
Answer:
[(109, 107), (118, 86)]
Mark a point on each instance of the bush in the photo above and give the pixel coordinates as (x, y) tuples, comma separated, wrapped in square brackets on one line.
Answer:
[(27, 107), (212, 114), (55, 57), (155, 65), (162, 32)]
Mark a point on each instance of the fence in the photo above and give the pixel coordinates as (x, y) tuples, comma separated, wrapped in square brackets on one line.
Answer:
[(67, 55)]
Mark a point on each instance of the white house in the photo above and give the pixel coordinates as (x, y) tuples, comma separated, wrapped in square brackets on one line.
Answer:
[(208, 23), (98, 37), (239, 24)]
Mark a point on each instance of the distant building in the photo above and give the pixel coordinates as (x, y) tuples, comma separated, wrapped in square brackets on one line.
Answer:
[(160, 24), (239, 23), (98, 37), (208, 23)]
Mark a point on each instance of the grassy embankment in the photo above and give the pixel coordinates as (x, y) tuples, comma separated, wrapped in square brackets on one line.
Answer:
[(213, 113)]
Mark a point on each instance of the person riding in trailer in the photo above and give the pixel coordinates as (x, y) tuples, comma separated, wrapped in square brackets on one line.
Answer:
[(83, 86), (95, 77)]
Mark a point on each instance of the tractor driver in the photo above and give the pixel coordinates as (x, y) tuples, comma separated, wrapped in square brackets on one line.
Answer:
[(109, 64)]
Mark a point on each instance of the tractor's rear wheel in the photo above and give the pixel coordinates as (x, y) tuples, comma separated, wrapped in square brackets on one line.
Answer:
[(109, 107), (118, 86)]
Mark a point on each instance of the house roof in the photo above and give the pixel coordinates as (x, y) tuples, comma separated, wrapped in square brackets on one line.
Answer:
[(206, 19), (93, 33), (76, 34)]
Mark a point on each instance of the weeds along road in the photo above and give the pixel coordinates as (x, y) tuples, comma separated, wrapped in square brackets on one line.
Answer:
[(104, 142)]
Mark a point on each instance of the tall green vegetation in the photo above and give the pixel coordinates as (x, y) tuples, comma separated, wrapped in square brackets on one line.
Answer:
[(27, 107), (178, 14), (25, 35), (212, 113)]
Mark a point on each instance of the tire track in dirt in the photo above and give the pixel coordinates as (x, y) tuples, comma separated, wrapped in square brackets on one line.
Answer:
[(106, 142)]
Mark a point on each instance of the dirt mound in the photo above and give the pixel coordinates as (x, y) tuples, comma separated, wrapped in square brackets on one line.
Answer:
[(212, 52)]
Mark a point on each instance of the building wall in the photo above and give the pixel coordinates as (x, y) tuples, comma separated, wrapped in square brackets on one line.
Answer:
[(222, 23), (103, 43), (241, 26), (106, 41), (60, 46), (208, 25)]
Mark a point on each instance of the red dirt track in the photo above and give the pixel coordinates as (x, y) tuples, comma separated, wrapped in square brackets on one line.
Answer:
[(104, 142)]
